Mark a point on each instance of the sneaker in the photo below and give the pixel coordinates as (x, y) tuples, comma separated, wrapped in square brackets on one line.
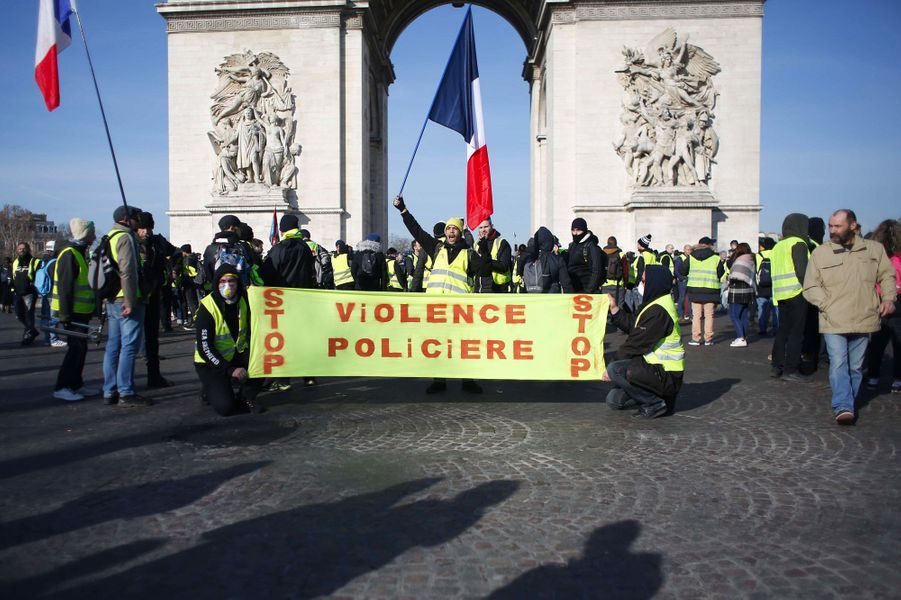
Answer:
[(134, 400), (694, 343), (651, 412), (278, 386), (739, 343), (87, 392), (67, 395), (896, 386), (28, 339), (188, 327), (844, 417), (178, 321), (58, 344), (797, 377), (111, 398), (872, 383), (775, 372), (708, 343), (471, 387), (436, 386)]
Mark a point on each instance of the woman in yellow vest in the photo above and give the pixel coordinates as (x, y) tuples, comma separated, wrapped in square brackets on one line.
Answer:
[(223, 346), (647, 374)]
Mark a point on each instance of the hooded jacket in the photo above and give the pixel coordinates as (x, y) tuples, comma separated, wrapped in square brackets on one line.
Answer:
[(541, 248), (378, 281), (798, 225), (698, 294), (655, 325), (587, 265), (290, 263), (205, 326)]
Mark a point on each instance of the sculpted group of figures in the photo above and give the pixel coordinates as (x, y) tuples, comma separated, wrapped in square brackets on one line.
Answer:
[(253, 124), (668, 101)]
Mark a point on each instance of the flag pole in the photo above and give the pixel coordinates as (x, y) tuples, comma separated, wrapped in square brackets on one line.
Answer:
[(426, 122), (99, 101)]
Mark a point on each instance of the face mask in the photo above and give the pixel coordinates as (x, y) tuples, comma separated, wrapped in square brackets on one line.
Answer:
[(576, 238), (640, 288), (228, 292)]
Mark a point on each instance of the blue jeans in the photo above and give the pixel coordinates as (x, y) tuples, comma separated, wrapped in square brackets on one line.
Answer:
[(765, 308), (47, 321), (740, 314), (122, 344), (846, 354), (681, 285)]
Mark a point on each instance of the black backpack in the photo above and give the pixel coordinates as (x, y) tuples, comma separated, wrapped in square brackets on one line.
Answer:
[(614, 267), (536, 277), (765, 274), (367, 263), (103, 272)]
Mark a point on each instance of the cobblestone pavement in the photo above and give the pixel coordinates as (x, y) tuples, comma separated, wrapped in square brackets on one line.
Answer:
[(368, 488)]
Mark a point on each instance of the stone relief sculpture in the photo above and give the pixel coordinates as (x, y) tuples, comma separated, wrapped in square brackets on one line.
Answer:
[(668, 100), (253, 124)]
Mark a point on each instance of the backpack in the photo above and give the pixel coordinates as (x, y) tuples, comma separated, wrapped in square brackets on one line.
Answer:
[(765, 274), (43, 279), (231, 254), (325, 275), (367, 263), (614, 267), (536, 278), (103, 272)]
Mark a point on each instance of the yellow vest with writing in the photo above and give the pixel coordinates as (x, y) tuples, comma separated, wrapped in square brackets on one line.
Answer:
[(223, 341)]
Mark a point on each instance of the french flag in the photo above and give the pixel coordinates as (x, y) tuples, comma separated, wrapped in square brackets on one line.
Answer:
[(458, 106), (54, 35), (273, 229)]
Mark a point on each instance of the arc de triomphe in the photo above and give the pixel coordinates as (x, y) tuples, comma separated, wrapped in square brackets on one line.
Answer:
[(645, 114)]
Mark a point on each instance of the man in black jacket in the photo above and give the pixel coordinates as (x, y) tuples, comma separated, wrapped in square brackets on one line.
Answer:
[(640, 378), (553, 274), (24, 268), (497, 261), (587, 265), (155, 251), (368, 265)]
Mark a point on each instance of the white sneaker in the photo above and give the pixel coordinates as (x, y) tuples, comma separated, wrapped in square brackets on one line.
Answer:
[(67, 395), (178, 321), (739, 343), (58, 344), (87, 392)]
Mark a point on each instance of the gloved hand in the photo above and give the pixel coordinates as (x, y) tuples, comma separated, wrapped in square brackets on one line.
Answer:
[(399, 203)]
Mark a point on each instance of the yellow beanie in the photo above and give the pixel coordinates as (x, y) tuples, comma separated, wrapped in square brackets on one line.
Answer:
[(454, 222)]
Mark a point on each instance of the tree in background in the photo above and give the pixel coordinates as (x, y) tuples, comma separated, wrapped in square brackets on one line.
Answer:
[(15, 226)]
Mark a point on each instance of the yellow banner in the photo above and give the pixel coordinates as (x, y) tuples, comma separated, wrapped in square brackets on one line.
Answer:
[(298, 333)]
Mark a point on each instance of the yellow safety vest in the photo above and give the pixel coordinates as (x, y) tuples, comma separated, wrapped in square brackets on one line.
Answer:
[(759, 258), (671, 266), (702, 273), (393, 281), (223, 341), (649, 259), (429, 263), (32, 267), (84, 300), (342, 270), (517, 278), (113, 234), (785, 282), (498, 278), (668, 352), (450, 278)]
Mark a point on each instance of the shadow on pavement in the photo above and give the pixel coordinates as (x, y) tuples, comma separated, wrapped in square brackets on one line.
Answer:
[(607, 569), (122, 503), (696, 395), (307, 551)]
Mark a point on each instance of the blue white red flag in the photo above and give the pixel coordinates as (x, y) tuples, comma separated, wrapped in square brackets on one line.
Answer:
[(273, 229), (458, 106), (54, 35)]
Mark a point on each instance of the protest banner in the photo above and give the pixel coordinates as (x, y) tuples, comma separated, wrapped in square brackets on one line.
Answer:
[(298, 333)]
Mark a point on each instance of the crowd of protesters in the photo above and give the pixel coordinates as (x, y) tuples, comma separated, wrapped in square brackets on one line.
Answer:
[(833, 299)]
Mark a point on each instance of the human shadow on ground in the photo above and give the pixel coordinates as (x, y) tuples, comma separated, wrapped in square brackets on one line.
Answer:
[(607, 569), (696, 395), (121, 503), (304, 552)]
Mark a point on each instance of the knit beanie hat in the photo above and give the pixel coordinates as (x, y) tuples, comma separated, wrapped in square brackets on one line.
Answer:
[(81, 228), (579, 223), (645, 241), (455, 222), (305, 234), (287, 223)]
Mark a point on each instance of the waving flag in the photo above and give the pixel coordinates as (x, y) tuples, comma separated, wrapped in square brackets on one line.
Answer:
[(458, 106), (54, 35), (273, 229)]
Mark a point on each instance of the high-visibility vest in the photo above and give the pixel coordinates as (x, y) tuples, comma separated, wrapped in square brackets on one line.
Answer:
[(450, 278), (341, 268), (726, 271), (393, 281), (429, 263), (32, 267), (668, 352), (760, 257), (649, 259), (670, 263), (498, 278), (84, 300), (702, 273), (223, 341), (785, 282), (112, 235), (632, 275), (517, 278)]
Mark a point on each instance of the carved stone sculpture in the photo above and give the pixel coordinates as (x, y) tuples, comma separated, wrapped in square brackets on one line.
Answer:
[(668, 101), (253, 124)]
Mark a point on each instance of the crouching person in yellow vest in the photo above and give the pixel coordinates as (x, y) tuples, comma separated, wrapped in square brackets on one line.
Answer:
[(223, 346), (648, 371), (454, 265)]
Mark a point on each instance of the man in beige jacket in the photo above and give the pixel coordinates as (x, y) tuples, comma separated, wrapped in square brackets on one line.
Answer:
[(841, 282)]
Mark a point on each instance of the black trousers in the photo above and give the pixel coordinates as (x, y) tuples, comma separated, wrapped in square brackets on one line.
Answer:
[(166, 298), (25, 312), (790, 335), (812, 339), (219, 390), (70, 371), (890, 332), (152, 337), (189, 303)]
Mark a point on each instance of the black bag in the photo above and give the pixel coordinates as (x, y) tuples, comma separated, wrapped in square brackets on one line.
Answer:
[(614, 267), (367, 263), (103, 272)]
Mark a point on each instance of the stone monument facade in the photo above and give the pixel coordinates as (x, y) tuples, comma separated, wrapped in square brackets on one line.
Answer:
[(645, 114)]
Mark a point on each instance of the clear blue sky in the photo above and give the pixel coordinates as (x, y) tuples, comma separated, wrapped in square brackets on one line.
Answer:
[(831, 135)]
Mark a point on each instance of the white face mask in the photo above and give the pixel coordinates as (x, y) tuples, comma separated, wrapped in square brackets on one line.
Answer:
[(640, 288), (228, 292)]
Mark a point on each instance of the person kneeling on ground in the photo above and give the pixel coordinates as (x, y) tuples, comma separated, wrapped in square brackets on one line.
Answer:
[(648, 371), (223, 346)]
